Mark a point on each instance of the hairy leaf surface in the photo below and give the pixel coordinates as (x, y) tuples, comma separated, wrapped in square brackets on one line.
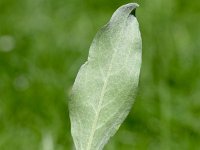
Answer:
[(106, 85)]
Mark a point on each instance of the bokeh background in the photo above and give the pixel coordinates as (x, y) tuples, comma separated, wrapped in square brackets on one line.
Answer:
[(44, 42)]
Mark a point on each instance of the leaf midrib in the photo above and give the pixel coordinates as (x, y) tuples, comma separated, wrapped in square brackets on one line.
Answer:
[(100, 103)]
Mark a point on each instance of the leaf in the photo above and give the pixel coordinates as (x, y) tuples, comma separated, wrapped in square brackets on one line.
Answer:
[(106, 85)]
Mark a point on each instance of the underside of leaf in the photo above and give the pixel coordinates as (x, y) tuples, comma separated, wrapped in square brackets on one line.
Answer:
[(106, 85)]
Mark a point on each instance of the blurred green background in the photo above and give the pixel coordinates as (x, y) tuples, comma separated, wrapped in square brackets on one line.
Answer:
[(44, 42)]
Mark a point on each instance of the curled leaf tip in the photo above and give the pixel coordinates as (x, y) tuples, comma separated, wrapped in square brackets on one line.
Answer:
[(124, 11), (129, 6), (134, 5)]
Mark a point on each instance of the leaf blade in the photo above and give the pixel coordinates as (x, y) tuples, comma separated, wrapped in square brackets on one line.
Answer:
[(109, 78)]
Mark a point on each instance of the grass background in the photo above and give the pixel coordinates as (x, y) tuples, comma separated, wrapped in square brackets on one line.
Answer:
[(44, 42)]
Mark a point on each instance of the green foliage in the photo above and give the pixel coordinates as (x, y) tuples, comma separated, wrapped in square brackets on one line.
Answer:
[(42, 45), (106, 84)]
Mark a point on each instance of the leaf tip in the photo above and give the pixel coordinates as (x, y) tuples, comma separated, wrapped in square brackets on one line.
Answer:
[(124, 11)]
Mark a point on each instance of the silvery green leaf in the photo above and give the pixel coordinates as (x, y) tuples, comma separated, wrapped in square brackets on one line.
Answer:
[(106, 85)]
